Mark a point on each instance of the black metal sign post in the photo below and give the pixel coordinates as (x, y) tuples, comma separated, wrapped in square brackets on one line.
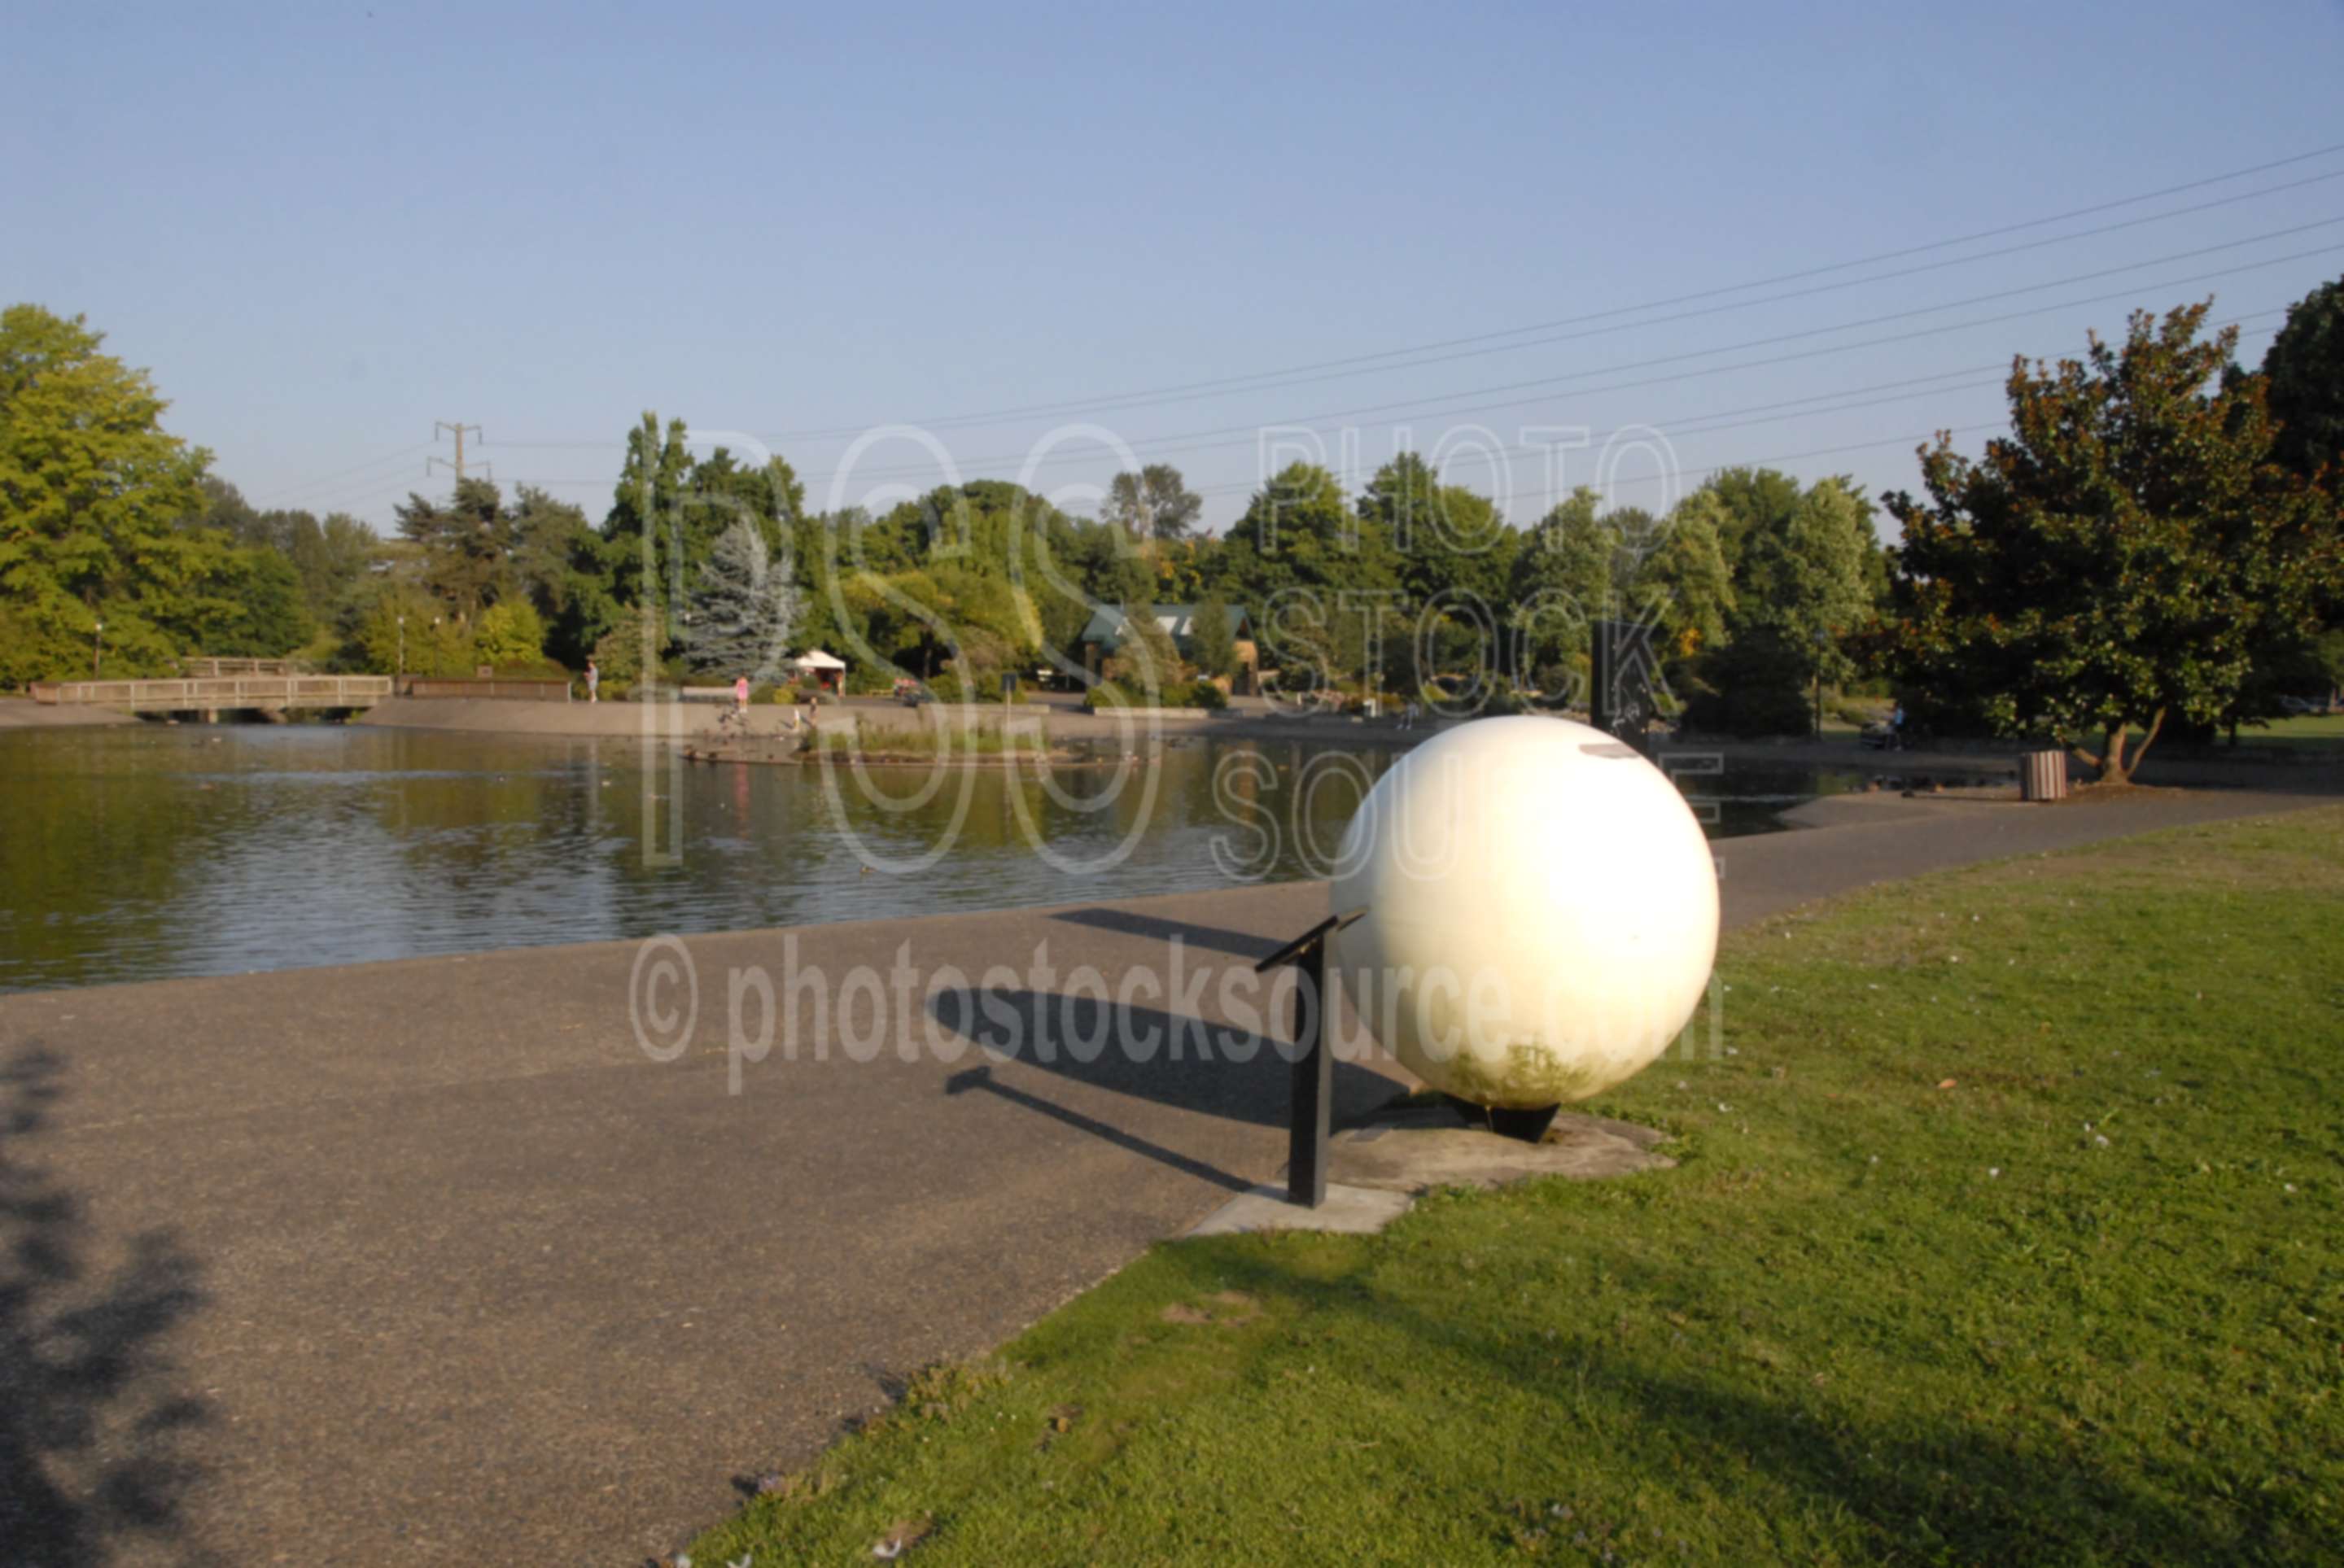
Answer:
[(1312, 1101)]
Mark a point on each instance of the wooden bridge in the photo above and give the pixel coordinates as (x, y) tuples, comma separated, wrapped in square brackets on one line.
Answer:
[(268, 693)]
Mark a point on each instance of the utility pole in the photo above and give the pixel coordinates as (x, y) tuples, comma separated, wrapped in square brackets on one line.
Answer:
[(457, 430)]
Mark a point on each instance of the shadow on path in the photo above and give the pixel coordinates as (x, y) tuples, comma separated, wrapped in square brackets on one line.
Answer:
[(1131, 923), (977, 1080), (92, 1418), (1148, 1053)]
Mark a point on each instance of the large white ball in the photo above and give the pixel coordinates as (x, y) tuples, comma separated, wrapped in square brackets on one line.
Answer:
[(1541, 911)]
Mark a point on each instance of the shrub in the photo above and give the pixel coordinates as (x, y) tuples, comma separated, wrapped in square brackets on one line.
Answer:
[(1209, 696), (982, 687), (1106, 694)]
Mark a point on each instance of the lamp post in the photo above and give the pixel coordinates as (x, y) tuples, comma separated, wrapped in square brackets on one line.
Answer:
[(96, 645), (403, 644)]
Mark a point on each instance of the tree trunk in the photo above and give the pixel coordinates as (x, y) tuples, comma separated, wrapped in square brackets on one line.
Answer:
[(2112, 759), (2114, 767), (2155, 724)]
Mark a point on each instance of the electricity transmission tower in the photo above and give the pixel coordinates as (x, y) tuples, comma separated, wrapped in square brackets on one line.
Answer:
[(457, 430)]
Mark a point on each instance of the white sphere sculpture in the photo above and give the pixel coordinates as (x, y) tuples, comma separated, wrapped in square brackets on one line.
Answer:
[(1541, 911)]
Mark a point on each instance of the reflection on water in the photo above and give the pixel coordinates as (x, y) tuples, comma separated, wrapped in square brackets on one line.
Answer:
[(141, 853)]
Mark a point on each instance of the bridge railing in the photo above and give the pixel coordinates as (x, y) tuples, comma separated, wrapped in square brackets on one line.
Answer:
[(499, 687), (224, 691)]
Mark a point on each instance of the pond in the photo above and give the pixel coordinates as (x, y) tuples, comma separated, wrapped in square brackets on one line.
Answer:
[(145, 851)]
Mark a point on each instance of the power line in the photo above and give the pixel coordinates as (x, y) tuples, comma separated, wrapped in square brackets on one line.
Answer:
[(1709, 425), (313, 482), (349, 494), (1799, 275), (1195, 440), (1269, 380), (1898, 315), (1733, 418), (1241, 435)]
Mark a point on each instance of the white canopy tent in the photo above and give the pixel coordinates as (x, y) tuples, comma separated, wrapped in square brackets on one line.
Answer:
[(825, 669)]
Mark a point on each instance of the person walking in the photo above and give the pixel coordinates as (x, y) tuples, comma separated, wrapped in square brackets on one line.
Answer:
[(741, 694), (594, 680)]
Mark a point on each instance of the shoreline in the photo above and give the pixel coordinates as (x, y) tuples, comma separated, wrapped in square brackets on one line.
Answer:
[(2309, 770), (24, 713)]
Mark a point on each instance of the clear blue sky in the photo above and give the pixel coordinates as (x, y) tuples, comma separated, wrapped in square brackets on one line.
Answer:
[(323, 228)]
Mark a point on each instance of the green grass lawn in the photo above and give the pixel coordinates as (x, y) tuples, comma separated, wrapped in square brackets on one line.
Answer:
[(2003, 1230), (2298, 730)]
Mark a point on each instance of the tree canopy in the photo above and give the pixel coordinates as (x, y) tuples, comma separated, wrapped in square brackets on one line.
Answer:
[(1155, 503), (101, 522), (2304, 368), (2113, 564)]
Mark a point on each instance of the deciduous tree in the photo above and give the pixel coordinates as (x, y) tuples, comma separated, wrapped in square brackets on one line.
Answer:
[(92, 490), (1155, 503), (2304, 369), (2113, 563)]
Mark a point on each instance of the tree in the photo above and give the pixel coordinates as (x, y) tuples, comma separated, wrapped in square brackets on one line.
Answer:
[(468, 544), (2305, 369), (1145, 658), (429, 642), (1751, 503), (1320, 577), (1445, 538), (562, 566), (331, 559), (2116, 560), (263, 616), (618, 653), (1155, 503), (642, 532), (510, 633), (1561, 582), (744, 608), (1805, 585), (92, 490), (1678, 577), (1213, 637), (1800, 589), (1452, 552)]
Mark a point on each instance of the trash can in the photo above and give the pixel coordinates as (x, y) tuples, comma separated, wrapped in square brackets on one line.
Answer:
[(2042, 776)]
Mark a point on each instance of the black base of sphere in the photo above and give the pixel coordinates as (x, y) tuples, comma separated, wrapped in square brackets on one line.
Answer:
[(1530, 1126)]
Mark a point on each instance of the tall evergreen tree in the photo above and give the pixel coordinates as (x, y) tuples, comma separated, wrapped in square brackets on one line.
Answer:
[(744, 606)]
